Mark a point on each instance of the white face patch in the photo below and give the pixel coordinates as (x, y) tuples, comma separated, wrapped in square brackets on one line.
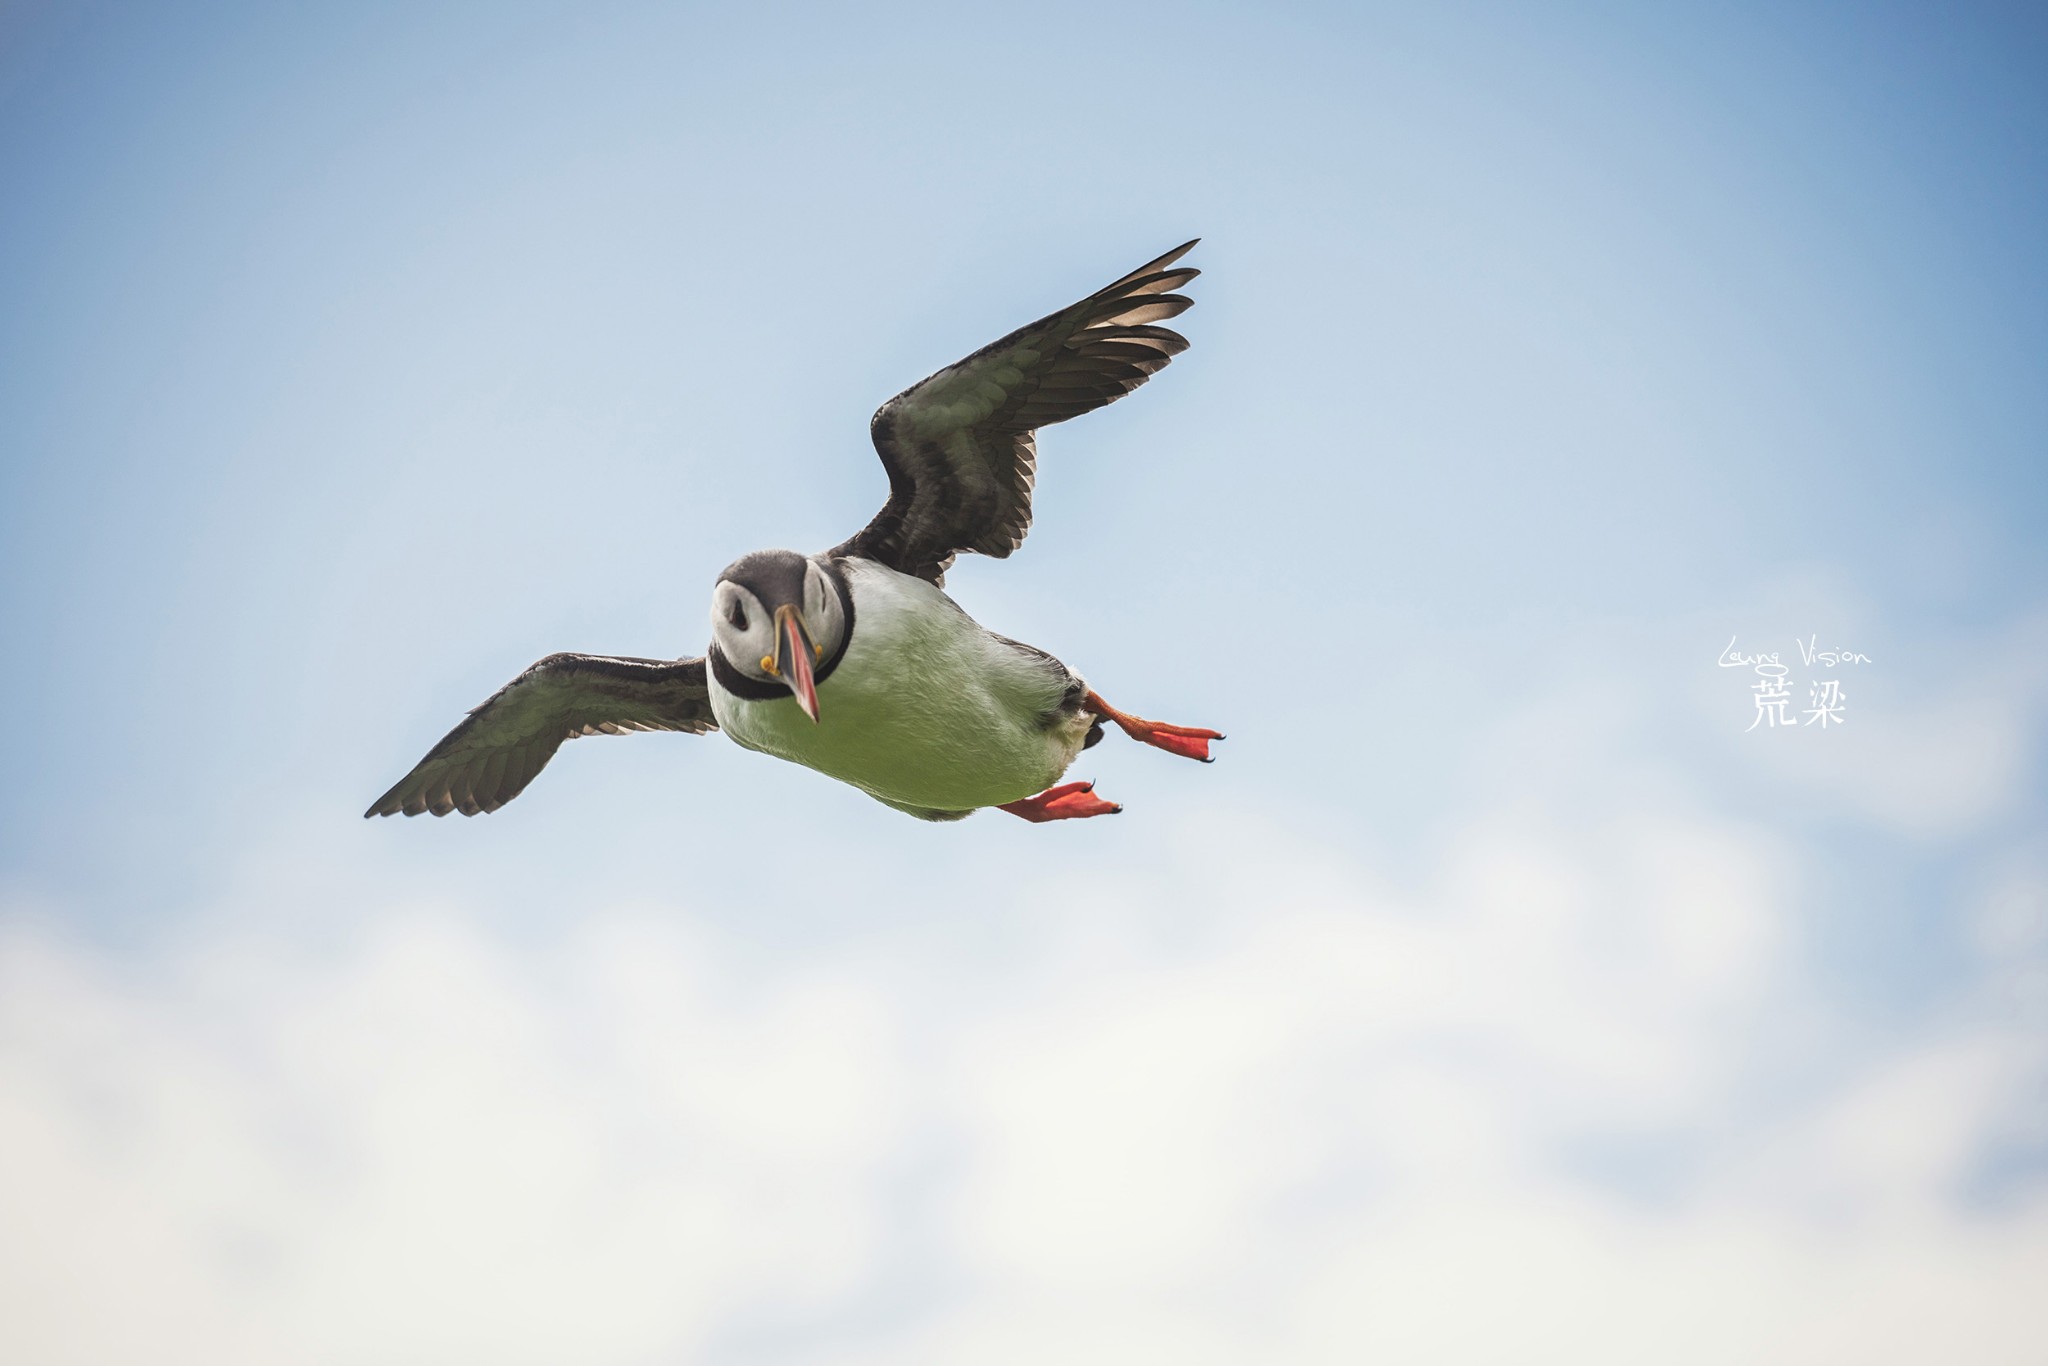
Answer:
[(743, 629)]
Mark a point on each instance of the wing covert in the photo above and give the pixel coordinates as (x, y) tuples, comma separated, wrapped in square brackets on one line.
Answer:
[(490, 757), (959, 446)]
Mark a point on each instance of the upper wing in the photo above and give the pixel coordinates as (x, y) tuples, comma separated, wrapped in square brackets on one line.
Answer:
[(491, 757), (958, 446)]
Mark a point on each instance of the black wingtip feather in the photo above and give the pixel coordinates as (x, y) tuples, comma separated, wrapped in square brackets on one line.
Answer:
[(1153, 267)]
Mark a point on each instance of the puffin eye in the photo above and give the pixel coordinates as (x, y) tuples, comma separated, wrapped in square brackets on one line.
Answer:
[(738, 615)]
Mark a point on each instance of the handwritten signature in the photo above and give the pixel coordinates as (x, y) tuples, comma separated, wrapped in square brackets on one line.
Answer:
[(1810, 654), (1772, 693)]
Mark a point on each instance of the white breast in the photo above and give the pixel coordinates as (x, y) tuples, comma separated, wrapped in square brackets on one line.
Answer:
[(925, 710)]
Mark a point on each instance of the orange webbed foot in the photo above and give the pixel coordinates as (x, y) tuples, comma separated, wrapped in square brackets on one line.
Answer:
[(1067, 802), (1190, 742)]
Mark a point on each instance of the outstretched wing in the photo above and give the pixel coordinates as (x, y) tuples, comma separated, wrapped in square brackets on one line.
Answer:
[(958, 447), (491, 757)]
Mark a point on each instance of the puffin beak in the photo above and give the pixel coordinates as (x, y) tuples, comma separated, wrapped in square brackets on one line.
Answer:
[(793, 657)]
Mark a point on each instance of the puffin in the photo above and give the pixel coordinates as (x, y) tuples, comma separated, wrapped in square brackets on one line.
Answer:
[(856, 662)]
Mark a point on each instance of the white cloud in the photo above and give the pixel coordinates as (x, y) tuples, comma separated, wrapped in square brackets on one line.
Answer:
[(1279, 1113), (426, 1151), (1333, 1140)]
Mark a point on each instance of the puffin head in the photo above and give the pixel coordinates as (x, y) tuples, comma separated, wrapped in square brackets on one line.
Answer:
[(775, 616)]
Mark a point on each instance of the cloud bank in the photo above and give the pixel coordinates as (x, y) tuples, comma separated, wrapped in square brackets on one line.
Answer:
[(1568, 1096)]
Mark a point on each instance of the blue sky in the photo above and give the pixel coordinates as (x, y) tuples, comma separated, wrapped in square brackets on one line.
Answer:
[(351, 360)]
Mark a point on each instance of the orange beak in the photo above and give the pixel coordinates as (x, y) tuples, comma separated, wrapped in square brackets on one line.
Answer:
[(794, 655)]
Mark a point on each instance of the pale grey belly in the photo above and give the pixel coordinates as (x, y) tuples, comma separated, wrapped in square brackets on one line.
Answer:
[(951, 754), (941, 738)]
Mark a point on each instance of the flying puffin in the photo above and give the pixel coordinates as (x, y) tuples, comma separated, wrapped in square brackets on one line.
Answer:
[(855, 662)]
